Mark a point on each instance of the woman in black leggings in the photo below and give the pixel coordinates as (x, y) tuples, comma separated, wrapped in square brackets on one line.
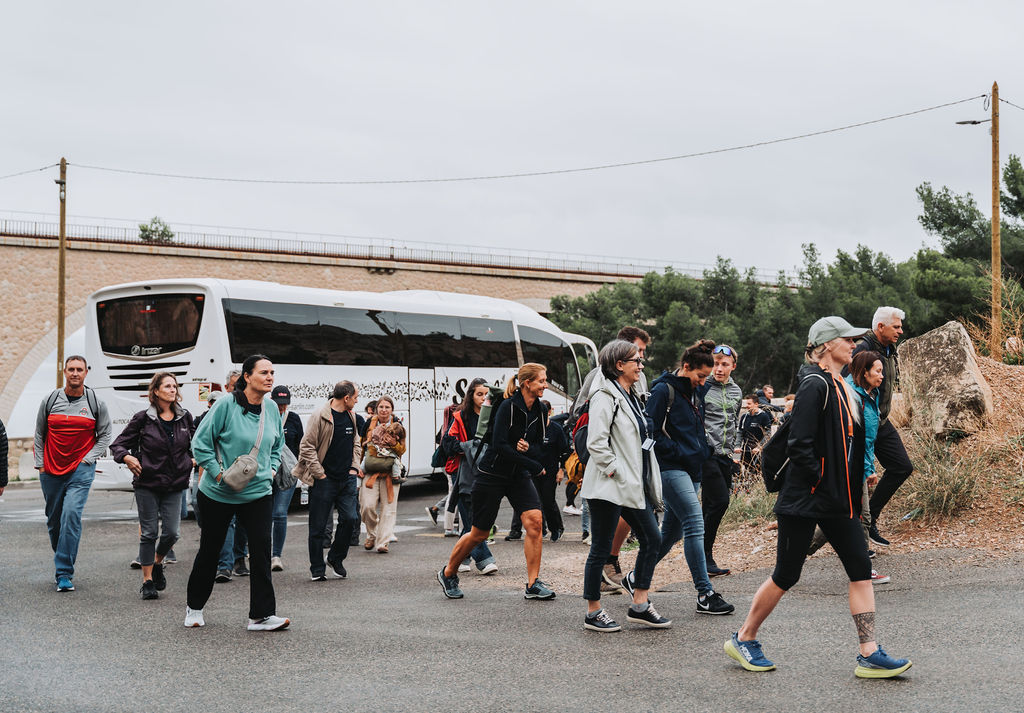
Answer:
[(817, 490)]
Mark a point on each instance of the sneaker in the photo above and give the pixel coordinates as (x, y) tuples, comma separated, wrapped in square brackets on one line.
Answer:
[(628, 583), (276, 564), (322, 577), (148, 590), (556, 535), (370, 543), (712, 603), (715, 571), (169, 558), (337, 569), (450, 585), (240, 569), (268, 623), (433, 512), (649, 617), (573, 510), (159, 579), (586, 538), (875, 538), (451, 533), (539, 590), (600, 621), (748, 653), (877, 578), (194, 617), (464, 567), (489, 568), (880, 665), (871, 554), (135, 564), (612, 573), (514, 535), (223, 575), (328, 542), (64, 584)]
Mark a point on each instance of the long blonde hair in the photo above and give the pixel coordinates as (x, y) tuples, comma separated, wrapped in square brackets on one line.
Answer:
[(527, 372)]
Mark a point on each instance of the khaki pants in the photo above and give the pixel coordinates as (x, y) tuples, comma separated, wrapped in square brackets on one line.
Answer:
[(865, 523), (377, 514)]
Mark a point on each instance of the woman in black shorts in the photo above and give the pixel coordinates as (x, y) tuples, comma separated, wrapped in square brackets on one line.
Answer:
[(817, 490), (507, 469)]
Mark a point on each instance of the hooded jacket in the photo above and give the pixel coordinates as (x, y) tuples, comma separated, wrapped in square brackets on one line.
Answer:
[(818, 479), (722, 404), (166, 462), (682, 443), (513, 421)]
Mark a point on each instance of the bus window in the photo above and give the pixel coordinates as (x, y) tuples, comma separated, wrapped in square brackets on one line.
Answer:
[(148, 325), (286, 333), (430, 340), (488, 343), (359, 338), (586, 360), (553, 353)]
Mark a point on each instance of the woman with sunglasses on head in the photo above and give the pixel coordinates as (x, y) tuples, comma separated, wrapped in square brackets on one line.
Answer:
[(676, 406), (818, 490)]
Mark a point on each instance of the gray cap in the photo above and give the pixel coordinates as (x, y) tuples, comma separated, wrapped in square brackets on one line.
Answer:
[(828, 328)]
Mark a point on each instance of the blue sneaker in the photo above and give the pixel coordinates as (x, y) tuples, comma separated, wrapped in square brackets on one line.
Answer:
[(880, 665), (539, 590), (64, 584), (748, 653)]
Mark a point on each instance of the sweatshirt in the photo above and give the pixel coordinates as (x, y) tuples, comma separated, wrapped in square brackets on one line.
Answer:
[(70, 433), (722, 404)]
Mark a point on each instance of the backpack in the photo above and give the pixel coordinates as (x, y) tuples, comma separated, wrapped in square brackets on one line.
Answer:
[(774, 460), (580, 430), (439, 459), (90, 398)]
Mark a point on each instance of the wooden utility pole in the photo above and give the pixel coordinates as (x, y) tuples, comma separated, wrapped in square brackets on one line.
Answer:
[(61, 251), (996, 348)]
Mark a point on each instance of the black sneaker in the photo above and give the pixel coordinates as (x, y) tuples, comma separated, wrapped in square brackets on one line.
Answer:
[(148, 590), (433, 511), (876, 539), (450, 585), (318, 577), (159, 580), (223, 575), (650, 617), (715, 571), (627, 583), (712, 603), (600, 621), (514, 535), (240, 569), (556, 535), (338, 569), (539, 590), (871, 554)]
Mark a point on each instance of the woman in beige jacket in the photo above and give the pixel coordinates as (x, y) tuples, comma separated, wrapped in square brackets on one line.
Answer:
[(621, 480)]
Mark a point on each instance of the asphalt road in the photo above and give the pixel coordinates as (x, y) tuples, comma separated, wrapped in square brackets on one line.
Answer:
[(386, 639)]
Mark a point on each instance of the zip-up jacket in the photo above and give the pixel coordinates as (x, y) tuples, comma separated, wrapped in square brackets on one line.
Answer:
[(166, 462), (513, 421), (866, 428), (70, 432), (722, 404), (890, 372), (317, 440), (817, 482), (682, 444)]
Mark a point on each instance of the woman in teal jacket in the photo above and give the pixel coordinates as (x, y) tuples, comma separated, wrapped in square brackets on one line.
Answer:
[(229, 430)]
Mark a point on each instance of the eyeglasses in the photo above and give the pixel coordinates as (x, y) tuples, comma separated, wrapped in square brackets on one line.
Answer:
[(723, 349), (636, 360)]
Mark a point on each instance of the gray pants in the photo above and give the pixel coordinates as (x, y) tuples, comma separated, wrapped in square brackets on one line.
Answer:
[(156, 508), (865, 523)]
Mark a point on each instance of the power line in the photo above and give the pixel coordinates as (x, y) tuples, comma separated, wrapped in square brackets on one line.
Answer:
[(32, 170), (1011, 104), (529, 174)]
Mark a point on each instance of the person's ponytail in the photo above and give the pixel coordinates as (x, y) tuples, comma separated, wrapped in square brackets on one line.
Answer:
[(527, 372), (699, 354)]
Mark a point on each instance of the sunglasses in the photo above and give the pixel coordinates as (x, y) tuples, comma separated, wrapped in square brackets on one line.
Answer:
[(723, 349)]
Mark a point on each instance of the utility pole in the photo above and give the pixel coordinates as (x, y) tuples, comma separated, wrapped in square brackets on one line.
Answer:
[(996, 348), (61, 251)]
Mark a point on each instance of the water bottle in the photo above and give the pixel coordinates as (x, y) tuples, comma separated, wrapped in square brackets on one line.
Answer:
[(304, 495)]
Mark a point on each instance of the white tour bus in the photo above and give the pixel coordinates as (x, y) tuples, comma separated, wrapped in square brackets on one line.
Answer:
[(420, 347)]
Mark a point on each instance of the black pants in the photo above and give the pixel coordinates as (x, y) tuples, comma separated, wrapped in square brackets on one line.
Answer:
[(795, 535), (894, 459), (604, 520), (715, 489), (325, 495), (571, 489), (546, 488), (255, 517)]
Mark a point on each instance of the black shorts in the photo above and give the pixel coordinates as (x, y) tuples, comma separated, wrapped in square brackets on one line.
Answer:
[(488, 490)]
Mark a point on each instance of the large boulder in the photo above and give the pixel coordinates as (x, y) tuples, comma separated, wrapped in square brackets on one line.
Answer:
[(944, 390)]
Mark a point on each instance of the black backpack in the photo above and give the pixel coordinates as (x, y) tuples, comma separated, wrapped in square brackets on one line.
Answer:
[(774, 459)]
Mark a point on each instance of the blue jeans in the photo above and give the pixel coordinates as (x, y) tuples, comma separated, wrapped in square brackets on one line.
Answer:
[(585, 518), (65, 497), (326, 494), (481, 554), (282, 499), (235, 546), (605, 521), (684, 520)]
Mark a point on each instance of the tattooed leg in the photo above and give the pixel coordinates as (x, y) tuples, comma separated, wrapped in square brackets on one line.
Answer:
[(865, 626)]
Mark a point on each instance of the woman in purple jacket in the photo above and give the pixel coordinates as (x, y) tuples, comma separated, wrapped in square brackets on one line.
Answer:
[(156, 445)]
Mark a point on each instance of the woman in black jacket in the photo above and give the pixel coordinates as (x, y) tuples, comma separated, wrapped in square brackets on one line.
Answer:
[(156, 446), (817, 490)]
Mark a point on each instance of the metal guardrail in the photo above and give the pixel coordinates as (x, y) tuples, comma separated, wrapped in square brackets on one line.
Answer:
[(382, 250)]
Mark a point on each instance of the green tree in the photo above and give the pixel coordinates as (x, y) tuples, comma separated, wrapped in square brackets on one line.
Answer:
[(155, 231)]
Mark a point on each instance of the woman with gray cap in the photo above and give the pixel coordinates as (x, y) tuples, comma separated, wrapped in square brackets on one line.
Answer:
[(817, 490)]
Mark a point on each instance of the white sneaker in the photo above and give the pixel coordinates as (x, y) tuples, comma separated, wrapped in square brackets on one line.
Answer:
[(194, 617), (572, 510), (464, 567), (276, 564), (489, 568), (268, 623)]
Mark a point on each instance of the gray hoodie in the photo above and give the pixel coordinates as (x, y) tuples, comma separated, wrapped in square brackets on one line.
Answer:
[(722, 405)]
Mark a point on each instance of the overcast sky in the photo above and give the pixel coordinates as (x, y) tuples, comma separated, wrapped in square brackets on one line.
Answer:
[(401, 90)]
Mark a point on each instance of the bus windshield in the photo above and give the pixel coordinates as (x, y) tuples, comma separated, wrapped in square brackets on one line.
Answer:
[(555, 354), (149, 325)]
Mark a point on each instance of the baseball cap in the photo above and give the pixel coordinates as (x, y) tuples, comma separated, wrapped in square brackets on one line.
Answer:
[(281, 395), (828, 328), (213, 396)]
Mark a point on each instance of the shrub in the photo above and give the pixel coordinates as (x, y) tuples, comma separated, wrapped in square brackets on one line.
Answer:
[(945, 480)]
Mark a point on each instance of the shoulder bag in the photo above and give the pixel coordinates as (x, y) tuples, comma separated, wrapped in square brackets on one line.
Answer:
[(237, 475)]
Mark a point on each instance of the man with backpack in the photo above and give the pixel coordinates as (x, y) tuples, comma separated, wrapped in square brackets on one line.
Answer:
[(72, 431)]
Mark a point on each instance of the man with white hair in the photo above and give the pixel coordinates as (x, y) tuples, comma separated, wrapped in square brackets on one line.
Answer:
[(886, 328)]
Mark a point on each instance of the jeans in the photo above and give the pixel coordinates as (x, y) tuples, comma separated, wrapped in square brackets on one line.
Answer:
[(282, 499), (254, 518), (156, 509), (65, 497), (481, 554), (585, 517), (605, 520), (235, 545), (684, 520), (324, 495)]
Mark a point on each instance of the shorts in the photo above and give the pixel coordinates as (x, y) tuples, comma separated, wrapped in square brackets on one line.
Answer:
[(488, 490)]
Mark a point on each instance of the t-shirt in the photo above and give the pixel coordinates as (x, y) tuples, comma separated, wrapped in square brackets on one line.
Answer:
[(168, 427), (339, 454), (754, 426)]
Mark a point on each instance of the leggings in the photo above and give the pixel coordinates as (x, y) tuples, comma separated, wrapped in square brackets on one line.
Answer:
[(795, 534)]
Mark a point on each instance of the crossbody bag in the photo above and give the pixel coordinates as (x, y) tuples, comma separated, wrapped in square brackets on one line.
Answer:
[(237, 475)]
